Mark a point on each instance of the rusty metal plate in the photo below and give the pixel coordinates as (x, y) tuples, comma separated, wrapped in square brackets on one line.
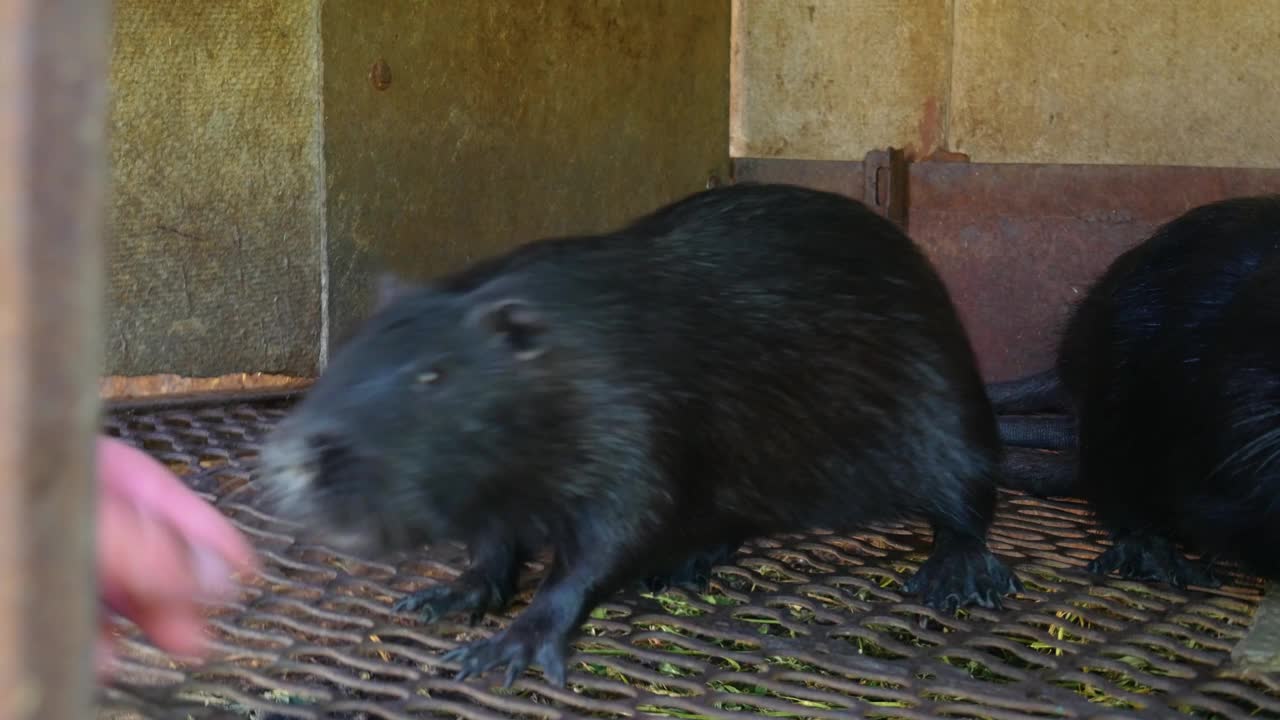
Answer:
[(806, 626), (1017, 244)]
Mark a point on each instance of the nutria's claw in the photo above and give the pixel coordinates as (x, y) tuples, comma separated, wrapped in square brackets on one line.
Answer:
[(433, 603), (693, 572), (515, 647), (470, 595)]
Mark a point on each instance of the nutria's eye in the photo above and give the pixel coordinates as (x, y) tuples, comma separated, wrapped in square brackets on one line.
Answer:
[(429, 377)]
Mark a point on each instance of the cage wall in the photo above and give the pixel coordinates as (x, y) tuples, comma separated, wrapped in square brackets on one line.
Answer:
[(269, 158), (1043, 138), (350, 136)]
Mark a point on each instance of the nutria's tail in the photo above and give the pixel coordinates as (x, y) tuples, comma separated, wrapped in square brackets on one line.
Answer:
[(1041, 392), (1039, 473), (1046, 432)]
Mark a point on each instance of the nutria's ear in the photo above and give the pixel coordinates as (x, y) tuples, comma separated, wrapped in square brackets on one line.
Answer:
[(517, 322), (388, 288)]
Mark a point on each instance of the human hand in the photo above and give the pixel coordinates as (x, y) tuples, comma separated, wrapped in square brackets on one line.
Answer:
[(162, 551)]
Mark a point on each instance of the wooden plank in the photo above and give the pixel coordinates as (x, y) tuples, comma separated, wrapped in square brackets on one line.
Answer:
[(53, 68)]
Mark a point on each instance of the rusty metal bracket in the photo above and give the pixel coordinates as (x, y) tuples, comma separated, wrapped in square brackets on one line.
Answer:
[(169, 401), (885, 183)]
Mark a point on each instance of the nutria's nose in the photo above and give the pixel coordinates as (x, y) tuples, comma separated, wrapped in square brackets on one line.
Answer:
[(330, 453), (322, 442)]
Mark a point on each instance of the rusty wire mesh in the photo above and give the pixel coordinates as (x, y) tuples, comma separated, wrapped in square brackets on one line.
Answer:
[(808, 626)]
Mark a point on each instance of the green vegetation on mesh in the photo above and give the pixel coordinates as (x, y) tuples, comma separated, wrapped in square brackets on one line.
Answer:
[(1210, 622), (748, 690), (768, 626), (1195, 712), (832, 601), (1122, 680), (1095, 694), (900, 634), (209, 700), (745, 689), (1151, 668), (870, 648), (770, 572), (604, 613), (1204, 628), (976, 670), (1034, 586), (1060, 632), (735, 645)]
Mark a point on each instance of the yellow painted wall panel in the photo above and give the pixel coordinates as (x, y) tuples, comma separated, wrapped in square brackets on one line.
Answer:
[(214, 214), (1167, 82), (1172, 82), (505, 122), (833, 79)]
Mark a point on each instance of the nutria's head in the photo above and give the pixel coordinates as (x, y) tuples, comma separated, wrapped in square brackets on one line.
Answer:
[(422, 420)]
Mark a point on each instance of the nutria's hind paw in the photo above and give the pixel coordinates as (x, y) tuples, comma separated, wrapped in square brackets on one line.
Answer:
[(471, 596), (694, 572), (950, 580), (1152, 558), (517, 647)]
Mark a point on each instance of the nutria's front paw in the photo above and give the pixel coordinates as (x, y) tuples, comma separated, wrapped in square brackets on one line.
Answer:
[(517, 647), (1152, 558), (470, 595), (950, 580), (694, 572)]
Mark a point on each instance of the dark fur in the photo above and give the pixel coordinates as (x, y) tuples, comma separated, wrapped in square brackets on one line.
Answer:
[(1171, 365), (749, 360), (1040, 472)]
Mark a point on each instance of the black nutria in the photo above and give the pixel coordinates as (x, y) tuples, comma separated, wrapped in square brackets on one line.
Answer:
[(1170, 369), (749, 360)]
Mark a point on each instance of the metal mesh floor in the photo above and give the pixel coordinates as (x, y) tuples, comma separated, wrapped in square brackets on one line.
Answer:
[(808, 626)]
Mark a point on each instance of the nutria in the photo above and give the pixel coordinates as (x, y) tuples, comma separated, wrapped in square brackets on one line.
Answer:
[(749, 360), (1169, 369)]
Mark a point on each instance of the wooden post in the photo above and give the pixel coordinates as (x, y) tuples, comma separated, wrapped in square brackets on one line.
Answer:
[(53, 76)]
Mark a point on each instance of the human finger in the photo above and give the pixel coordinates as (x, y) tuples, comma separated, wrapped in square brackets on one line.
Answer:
[(132, 474), (140, 560)]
